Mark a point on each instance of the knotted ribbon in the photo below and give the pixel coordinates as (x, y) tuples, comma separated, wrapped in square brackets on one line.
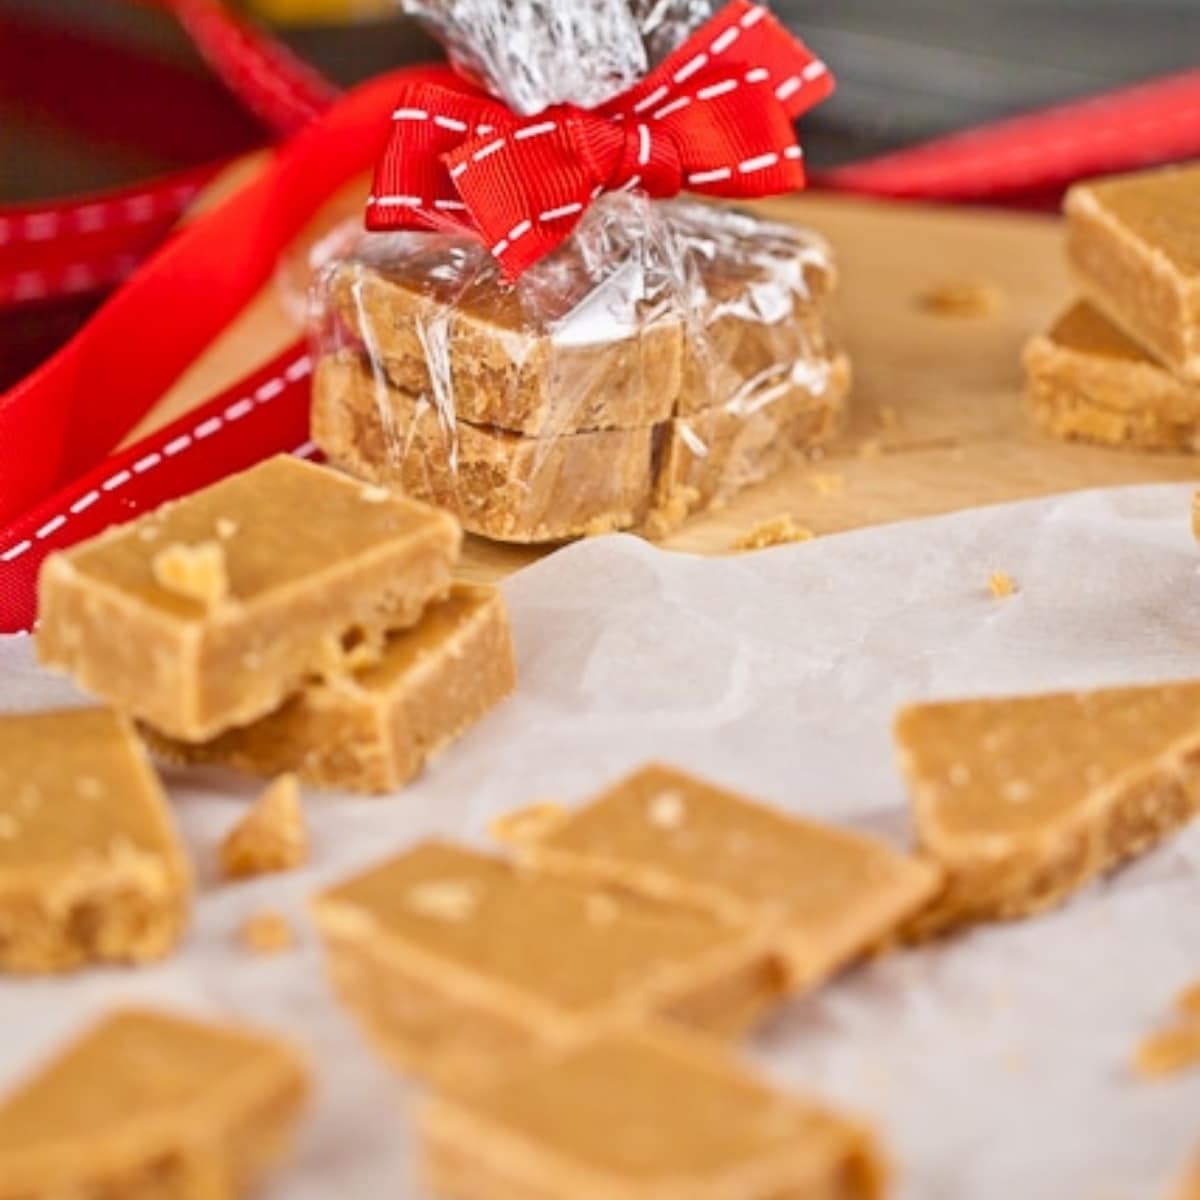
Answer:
[(715, 118)]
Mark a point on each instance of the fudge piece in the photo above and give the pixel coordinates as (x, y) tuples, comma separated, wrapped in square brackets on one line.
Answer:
[(709, 456), (315, 559), (643, 1114), (1187, 1003), (499, 484), (757, 302), (266, 932), (825, 895), (148, 1104), (1134, 244), (1191, 1185), (572, 347), (456, 962), (1026, 800), (777, 531), (271, 837), (1088, 380), (91, 869), (374, 730)]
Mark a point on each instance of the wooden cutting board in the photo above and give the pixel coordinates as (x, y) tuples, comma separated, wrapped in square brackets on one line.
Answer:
[(936, 421)]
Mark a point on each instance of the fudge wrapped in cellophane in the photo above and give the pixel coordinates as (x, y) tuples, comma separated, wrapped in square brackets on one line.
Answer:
[(623, 357)]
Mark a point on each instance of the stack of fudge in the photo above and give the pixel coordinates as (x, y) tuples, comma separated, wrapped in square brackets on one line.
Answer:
[(287, 619), (1122, 366), (665, 358)]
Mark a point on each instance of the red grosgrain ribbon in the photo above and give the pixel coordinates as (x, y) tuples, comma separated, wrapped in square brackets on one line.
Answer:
[(715, 118)]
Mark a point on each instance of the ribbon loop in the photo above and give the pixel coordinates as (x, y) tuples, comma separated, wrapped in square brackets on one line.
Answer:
[(715, 117)]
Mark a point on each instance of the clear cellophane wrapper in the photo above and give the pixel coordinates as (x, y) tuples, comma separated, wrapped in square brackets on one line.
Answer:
[(667, 356), (537, 53)]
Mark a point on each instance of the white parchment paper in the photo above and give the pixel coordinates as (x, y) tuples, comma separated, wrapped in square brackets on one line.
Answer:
[(995, 1066)]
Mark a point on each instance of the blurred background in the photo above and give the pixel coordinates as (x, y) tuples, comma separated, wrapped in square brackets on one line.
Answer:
[(99, 93)]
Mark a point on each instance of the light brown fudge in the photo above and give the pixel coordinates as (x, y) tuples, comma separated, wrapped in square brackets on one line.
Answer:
[(709, 456), (500, 485), (1134, 244), (1169, 1051), (1190, 1190), (146, 1104), (757, 297), (825, 895), (91, 869), (1026, 800), (271, 837), (560, 352), (457, 963), (316, 558), (374, 730), (643, 1114), (1087, 380)]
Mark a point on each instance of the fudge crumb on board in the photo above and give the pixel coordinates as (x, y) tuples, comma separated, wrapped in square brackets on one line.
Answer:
[(1002, 585), (778, 531), (966, 298), (195, 572), (266, 932), (271, 837)]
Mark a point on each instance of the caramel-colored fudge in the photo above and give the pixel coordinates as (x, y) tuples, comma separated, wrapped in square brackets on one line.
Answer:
[(1134, 244), (643, 1114), (1089, 381), (499, 484), (563, 351), (271, 837), (315, 558), (826, 895), (457, 963), (373, 731), (1026, 800), (151, 1105), (757, 299), (708, 457), (91, 869), (1191, 1185)]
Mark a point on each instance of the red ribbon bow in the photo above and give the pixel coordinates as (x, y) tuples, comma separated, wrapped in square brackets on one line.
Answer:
[(716, 118)]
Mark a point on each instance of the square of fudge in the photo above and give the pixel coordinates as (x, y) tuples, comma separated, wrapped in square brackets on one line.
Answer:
[(500, 485), (1025, 800), (827, 895), (1089, 380), (643, 1114), (91, 869), (1134, 244), (589, 339), (210, 611), (456, 962), (374, 729), (150, 1104)]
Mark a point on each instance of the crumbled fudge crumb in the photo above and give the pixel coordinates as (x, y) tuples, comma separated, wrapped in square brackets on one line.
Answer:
[(667, 810), (1002, 585), (226, 528), (779, 531), (196, 572), (962, 298), (523, 826), (826, 484), (271, 837), (1169, 1052), (266, 933), (443, 899)]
